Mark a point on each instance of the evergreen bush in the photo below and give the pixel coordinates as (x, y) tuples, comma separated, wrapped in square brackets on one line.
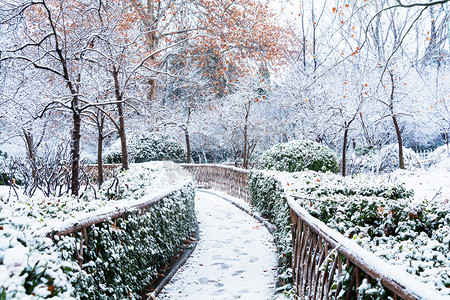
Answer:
[(144, 147), (299, 155), (121, 256), (269, 199), (381, 217)]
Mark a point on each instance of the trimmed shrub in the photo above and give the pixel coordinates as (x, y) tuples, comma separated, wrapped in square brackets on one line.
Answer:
[(269, 199), (121, 257), (298, 156), (381, 217), (152, 146)]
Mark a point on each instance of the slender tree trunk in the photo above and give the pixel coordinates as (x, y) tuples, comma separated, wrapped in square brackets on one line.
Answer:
[(303, 38), (123, 139), (100, 149), (186, 135), (400, 143), (100, 162), (401, 162), (188, 146), (30, 152), (245, 150), (344, 152), (245, 154), (314, 24), (76, 134)]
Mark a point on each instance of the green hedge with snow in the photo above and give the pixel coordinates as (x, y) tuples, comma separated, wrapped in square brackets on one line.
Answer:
[(123, 258), (120, 259), (299, 155), (269, 199), (144, 147), (381, 217)]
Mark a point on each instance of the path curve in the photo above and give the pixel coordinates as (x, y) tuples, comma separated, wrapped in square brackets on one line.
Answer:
[(235, 257)]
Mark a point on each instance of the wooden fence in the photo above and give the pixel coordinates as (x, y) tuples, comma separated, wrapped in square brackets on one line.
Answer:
[(326, 265), (322, 257), (227, 179), (423, 154), (108, 172), (78, 227), (81, 225)]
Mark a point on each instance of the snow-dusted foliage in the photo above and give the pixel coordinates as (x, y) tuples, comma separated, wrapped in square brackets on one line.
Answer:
[(123, 257), (269, 199), (440, 157), (120, 256), (385, 160), (381, 217), (299, 155), (30, 264), (144, 147)]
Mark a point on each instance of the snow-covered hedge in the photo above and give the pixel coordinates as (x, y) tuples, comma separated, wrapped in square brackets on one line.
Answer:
[(120, 258), (269, 199), (299, 155), (380, 217), (143, 147)]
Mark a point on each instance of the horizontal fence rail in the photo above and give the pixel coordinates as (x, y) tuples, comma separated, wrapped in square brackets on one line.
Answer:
[(108, 172), (325, 265), (78, 227), (227, 179)]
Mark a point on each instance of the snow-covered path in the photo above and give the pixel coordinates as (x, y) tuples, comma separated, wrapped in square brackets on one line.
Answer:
[(235, 257)]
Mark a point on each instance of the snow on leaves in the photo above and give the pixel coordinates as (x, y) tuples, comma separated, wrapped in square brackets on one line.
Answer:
[(33, 266)]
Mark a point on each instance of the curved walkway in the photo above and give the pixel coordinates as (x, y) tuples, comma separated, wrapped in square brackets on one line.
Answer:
[(235, 257)]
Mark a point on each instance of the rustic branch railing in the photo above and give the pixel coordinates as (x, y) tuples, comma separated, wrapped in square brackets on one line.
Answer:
[(322, 257), (108, 172), (78, 227), (325, 265), (230, 180)]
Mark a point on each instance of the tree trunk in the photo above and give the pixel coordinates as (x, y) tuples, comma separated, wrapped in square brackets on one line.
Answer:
[(245, 150), (75, 183), (123, 139), (100, 150), (314, 24), (400, 143), (344, 152), (100, 162), (245, 154), (186, 134), (401, 162), (30, 152), (188, 146)]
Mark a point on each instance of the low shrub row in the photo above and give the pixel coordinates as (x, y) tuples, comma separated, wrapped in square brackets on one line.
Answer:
[(299, 155), (269, 199), (121, 256), (382, 218), (146, 147)]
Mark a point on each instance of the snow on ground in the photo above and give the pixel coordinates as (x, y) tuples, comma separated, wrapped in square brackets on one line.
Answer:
[(235, 257), (429, 184)]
